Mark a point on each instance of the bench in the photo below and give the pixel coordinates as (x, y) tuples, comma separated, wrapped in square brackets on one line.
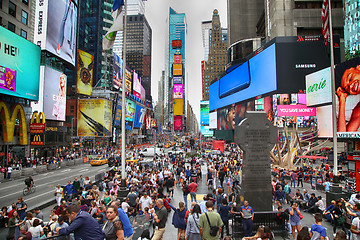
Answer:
[(274, 220)]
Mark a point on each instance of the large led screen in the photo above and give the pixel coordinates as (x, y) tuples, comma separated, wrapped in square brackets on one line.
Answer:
[(139, 116), (205, 130), (130, 110), (213, 120), (177, 70), (54, 94), (136, 83), (178, 91), (178, 106), (230, 85), (118, 73), (117, 118), (85, 64), (94, 118), (178, 124), (56, 26), (19, 66), (204, 113), (128, 81), (318, 88), (351, 28), (262, 75)]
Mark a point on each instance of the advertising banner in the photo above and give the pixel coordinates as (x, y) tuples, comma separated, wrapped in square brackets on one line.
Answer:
[(130, 110), (118, 73), (178, 91), (178, 125), (137, 84), (94, 118), (295, 110), (318, 88), (54, 94), (56, 27), (204, 113), (38, 106), (176, 43), (85, 64), (117, 118), (178, 106), (177, 58), (128, 80), (177, 70), (205, 130), (177, 80), (351, 28), (213, 120), (324, 120), (148, 119), (143, 93), (139, 116), (19, 66)]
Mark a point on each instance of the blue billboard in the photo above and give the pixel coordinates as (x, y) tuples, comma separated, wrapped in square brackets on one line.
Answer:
[(204, 113), (205, 130), (117, 118), (253, 78), (139, 116), (19, 66)]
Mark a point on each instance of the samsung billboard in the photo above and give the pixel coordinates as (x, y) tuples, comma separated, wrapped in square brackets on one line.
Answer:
[(279, 67)]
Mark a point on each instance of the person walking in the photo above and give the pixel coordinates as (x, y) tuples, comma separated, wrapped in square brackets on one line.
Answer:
[(186, 191), (318, 232), (192, 227), (247, 213), (224, 211), (160, 218), (293, 179), (295, 219), (208, 221), (113, 227), (193, 189), (300, 176), (58, 194), (69, 191)]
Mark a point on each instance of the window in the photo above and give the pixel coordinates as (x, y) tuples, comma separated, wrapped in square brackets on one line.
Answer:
[(1, 4), (26, 2), (12, 9), (11, 27), (23, 33), (24, 17)]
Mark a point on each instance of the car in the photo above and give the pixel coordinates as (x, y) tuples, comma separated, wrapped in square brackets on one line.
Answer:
[(114, 161), (132, 160), (98, 161), (176, 151), (150, 152)]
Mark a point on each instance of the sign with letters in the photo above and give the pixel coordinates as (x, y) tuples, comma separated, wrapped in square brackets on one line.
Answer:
[(37, 127)]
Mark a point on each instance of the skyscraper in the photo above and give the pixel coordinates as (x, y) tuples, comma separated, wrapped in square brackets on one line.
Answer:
[(217, 58)]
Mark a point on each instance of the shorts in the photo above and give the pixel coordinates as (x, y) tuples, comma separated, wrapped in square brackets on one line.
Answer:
[(292, 223)]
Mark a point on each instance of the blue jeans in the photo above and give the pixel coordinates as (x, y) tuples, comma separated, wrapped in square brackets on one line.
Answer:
[(248, 227), (293, 182), (193, 196), (185, 201)]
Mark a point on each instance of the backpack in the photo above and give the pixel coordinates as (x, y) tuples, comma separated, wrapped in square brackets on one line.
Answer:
[(27, 181), (186, 189), (47, 229)]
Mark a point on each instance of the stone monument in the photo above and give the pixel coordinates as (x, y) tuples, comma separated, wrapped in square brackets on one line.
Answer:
[(256, 136)]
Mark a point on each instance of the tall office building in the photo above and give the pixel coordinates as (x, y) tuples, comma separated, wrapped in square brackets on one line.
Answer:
[(217, 57), (18, 16), (175, 112)]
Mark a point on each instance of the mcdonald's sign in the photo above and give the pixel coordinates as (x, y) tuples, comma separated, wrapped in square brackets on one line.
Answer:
[(37, 122), (8, 123), (36, 139)]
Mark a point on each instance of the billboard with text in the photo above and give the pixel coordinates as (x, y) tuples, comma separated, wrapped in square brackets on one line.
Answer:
[(130, 110), (139, 116), (204, 113), (85, 64), (318, 88), (178, 91)]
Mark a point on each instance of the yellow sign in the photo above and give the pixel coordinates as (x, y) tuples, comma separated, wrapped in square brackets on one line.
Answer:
[(178, 107), (85, 64), (94, 118), (37, 118), (8, 123), (177, 70), (37, 139)]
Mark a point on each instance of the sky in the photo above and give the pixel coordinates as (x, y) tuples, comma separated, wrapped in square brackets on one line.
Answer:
[(196, 11)]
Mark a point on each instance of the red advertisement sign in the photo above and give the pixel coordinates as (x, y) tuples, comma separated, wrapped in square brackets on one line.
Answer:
[(176, 43), (178, 123)]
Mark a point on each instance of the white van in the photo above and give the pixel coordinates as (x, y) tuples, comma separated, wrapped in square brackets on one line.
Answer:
[(150, 152)]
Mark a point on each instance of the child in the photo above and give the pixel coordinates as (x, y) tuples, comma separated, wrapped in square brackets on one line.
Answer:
[(318, 232)]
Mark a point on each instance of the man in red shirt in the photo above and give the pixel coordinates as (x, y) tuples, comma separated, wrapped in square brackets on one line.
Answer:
[(193, 188)]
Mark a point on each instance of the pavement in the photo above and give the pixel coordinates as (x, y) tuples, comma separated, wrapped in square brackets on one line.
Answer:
[(46, 183)]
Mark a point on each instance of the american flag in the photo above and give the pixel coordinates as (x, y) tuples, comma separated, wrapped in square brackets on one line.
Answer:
[(325, 20)]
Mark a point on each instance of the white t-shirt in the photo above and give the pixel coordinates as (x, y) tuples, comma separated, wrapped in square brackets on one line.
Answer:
[(58, 192), (145, 202), (355, 222), (125, 206), (35, 231)]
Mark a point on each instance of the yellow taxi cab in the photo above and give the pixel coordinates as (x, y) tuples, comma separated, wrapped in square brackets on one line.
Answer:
[(98, 161), (166, 145), (132, 160)]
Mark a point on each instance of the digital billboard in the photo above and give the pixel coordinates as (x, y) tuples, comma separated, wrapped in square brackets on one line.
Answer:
[(178, 91), (178, 124), (130, 110), (231, 116), (176, 43), (177, 58), (324, 120), (139, 116), (205, 130), (118, 73), (177, 80), (117, 118), (213, 120), (54, 94), (178, 106), (128, 82), (136, 84), (177, 70), (94, 118), (351, 28), (19, 66), (261, 79), (56, 27), (295, 110), (204, 113), (85, 64), (318, 88)]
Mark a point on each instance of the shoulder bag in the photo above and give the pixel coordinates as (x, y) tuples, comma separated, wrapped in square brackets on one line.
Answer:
[(213, 229)]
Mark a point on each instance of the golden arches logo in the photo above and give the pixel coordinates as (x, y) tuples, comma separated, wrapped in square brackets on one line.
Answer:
[(37, 117), (8, 123), (37, 138)]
